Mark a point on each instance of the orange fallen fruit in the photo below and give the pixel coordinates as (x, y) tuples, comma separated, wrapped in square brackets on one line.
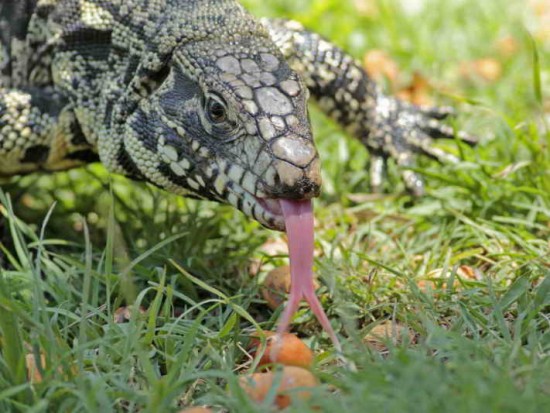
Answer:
[(196, 410), (294, 383), (287, 350)]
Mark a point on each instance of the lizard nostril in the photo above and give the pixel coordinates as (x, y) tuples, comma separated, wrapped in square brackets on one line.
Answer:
[(308, 188), (298, 183)]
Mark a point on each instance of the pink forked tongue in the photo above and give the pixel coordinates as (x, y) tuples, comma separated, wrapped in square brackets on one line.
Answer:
[(299, 227)]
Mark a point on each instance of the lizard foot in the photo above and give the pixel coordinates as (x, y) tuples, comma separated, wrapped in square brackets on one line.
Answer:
[(403, 130)]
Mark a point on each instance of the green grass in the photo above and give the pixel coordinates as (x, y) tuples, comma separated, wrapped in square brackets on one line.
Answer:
[(85, 243)]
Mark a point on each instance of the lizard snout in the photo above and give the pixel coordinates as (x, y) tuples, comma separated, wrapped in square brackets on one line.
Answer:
[(296, 182), (297, 167)]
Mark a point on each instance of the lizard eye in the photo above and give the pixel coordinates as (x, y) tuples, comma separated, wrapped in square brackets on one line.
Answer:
[(216, 111)]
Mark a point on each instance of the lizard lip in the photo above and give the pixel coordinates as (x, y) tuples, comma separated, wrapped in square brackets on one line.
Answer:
[(268, 212), (271, 205)]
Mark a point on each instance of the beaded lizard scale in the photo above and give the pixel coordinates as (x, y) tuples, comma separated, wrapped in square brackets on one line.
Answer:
[(194, 96)]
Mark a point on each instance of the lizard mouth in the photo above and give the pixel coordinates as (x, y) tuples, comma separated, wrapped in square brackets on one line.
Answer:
[(267, 211), (271, 206), (259, 202)]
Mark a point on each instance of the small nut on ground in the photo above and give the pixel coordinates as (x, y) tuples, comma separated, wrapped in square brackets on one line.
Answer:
[(287, 350), (276, 286), (293, 384)]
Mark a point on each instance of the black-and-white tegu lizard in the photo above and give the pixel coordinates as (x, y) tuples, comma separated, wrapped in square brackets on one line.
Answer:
[(194, 96)]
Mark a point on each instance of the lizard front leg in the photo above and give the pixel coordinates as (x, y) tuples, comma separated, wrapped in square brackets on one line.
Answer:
[(388, 127), (39, 131)]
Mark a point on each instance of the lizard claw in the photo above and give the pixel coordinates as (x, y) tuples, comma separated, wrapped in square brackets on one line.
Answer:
[(378, 167), (435, 112), (404, 130)]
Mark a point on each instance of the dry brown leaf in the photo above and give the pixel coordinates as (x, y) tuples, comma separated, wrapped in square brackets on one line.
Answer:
[(379, 65), (124, 314), (465, 271), (388, 331), (417, 92), (437, 278), (196, 410), (33, 373), (487, 69), (507, 46)]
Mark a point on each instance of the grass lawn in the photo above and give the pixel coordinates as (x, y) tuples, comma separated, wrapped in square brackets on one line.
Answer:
[(461, 276)]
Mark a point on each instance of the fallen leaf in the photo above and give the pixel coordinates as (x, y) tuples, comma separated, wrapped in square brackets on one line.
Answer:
[(487, 69), (124, 314), (417, 92), (437, 278), (387, 332), (33, 373), (508, 46), (380, 66), (196, 410), (465, 271)]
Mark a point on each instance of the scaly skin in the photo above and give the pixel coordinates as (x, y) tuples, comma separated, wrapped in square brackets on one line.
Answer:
[(194, 96), (388, 127)]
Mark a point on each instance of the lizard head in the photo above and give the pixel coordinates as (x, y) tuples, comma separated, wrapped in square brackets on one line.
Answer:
[(229, 123)]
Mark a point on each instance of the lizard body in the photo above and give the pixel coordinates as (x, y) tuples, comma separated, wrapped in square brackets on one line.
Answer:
[(194, 96)]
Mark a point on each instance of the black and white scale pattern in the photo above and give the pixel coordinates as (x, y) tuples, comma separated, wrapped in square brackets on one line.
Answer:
[(194, 96)]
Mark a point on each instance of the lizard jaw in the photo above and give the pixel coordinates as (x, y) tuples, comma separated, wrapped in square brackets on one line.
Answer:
[(271, 205), (267, 211)]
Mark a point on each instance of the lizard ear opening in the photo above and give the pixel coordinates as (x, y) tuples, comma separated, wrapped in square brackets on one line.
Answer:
[(160, 76), (182, 92), (154, 80)]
